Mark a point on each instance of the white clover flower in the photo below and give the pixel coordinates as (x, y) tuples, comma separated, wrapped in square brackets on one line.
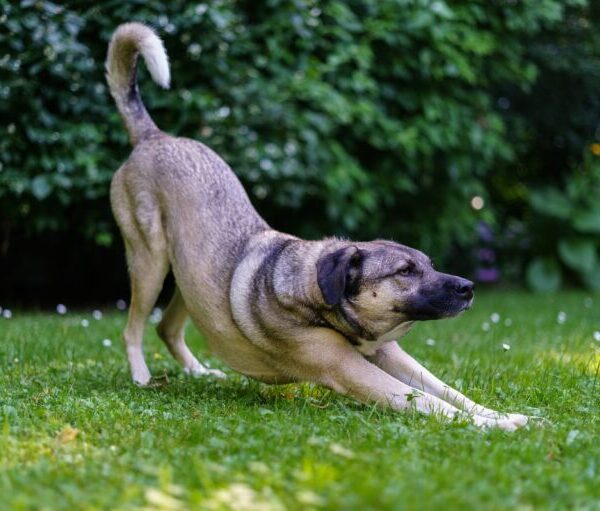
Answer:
[(505, 346), (430, 342), (340, 450), (6, 314), (107, 343), (156, 315), (507, 322), (97, 315), (85, 323), (486, 326), (121, 304), (597, 335), (561, 318), (495, 317)]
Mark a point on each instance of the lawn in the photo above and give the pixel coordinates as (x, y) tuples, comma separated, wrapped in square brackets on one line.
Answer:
[(75, 433)]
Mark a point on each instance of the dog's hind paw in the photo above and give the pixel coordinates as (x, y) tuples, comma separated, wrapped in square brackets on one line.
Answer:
[(198, 370), (141, 376)]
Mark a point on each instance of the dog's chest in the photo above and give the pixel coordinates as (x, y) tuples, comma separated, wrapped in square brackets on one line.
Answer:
[(370, 347)]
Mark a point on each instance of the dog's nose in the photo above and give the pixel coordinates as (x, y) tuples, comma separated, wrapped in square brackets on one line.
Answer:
[(464, 288)]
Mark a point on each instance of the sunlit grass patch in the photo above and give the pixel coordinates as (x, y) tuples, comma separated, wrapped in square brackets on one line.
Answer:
[(76, 430)]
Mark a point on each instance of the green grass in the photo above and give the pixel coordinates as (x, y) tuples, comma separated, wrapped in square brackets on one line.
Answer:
[(75, 433)]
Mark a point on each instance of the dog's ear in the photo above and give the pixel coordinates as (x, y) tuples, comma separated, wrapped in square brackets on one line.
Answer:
[(335, 272)]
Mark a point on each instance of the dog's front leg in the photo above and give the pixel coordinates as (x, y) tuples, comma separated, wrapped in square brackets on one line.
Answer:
[(333, 362), (395, 361)]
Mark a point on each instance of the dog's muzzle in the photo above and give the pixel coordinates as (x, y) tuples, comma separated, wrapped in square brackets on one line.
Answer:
[(441, 297)]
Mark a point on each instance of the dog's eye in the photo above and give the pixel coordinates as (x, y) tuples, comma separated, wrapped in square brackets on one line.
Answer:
[(404, 271)]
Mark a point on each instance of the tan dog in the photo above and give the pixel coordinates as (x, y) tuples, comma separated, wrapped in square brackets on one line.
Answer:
[(270, 305)]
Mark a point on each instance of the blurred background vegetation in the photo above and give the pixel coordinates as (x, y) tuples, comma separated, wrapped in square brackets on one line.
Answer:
[(469, 129)]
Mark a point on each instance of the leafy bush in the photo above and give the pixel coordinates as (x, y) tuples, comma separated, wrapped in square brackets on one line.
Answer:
[(567, 230), (361, 117)]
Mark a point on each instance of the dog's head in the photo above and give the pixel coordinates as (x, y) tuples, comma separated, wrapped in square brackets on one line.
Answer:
[(377, 286)]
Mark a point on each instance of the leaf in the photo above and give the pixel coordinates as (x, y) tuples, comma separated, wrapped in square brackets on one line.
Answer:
[(591, 279), (550, 202), (40, 187), (579, 254), (587, 221), (543, 275)]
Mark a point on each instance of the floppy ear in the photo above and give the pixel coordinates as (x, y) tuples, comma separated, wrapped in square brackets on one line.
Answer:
[(333, 272)]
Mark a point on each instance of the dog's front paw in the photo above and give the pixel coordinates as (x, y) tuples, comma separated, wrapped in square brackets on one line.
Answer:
[(518, 419), (506, 424)]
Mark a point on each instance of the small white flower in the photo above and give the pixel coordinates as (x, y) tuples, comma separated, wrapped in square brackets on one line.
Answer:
[(485, 326), (561, 317), (495, 317), (85, 323), (16, 360), (573, 434), (505, 346), (97, 315), (156, 315), (588, 302), (597, 335), (7, 314), (107, 343), (121, 304), (507, 322), (340, 450), (430, 342), (61, 309)]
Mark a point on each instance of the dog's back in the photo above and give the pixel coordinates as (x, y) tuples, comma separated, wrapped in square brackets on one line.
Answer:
[(212, 217)]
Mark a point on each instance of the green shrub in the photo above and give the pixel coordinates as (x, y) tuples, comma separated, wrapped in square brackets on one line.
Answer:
[(567, 229), (365, 118)]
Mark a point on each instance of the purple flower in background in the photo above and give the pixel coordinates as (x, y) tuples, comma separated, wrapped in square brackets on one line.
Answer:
[(487, 274), (485, 232), (487, 255)]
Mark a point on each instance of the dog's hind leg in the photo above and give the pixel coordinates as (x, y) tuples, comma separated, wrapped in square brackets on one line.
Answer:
[(147, 272), (138, 217), (172, 329)]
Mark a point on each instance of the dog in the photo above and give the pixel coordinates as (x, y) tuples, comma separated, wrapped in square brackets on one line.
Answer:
[(270, 305)]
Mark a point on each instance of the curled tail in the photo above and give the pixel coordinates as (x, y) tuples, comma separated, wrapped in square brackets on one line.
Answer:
[(128, 41)]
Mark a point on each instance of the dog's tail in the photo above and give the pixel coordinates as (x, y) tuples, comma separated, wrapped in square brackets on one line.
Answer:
[(128, 41)]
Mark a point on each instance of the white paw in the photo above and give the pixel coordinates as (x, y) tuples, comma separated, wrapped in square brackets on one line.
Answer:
[(217, 373), (198, 370), (141, 376), (518, 419), (505, 424)]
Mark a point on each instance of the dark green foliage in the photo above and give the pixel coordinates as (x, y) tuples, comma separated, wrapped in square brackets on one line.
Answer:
[(567, 229), (364, 118)]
